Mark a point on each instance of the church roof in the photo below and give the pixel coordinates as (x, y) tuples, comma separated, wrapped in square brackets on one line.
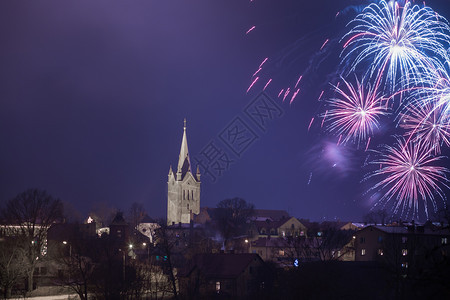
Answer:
[(184, 163)]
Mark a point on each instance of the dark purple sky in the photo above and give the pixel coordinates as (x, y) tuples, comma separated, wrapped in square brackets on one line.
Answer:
[(93, 96)]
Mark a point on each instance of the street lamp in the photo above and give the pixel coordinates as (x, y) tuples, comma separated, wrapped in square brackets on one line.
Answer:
[(70, 248)]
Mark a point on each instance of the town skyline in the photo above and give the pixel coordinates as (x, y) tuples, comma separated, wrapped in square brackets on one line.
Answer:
[(94, 96)]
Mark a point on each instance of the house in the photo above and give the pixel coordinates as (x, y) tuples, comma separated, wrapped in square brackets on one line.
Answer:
[(224, 275), (402, 245), (283, 227)]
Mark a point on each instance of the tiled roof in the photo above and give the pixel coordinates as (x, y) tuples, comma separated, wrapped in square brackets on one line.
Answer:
[(220, 265)]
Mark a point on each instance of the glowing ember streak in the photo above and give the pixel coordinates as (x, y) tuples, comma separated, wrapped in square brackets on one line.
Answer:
[(251, 28), (263, 62), (323, 45), (298, 81), (324, 117), (257, 71), (408, 175), (367, 146), (294, 95), (310, 123), (279, 94), (268, 82), (286, 93), (320, 96), (251, 85)]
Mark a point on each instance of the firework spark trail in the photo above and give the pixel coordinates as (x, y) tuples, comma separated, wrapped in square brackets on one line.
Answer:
[(257, 71), (294, 95), (409, 175), (298, 81), (252, 84), (310, 177), (286, 93), (397, 40), (324, 117), (324, 43), (320, 96), (367, 146), (268, 82), (310, 123), (250, 30), (354, 114), (281, 92), (263, 62)]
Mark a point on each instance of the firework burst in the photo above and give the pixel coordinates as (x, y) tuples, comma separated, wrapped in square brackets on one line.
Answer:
[(409, 175), (354, 114), (396, 41), (425, 115)]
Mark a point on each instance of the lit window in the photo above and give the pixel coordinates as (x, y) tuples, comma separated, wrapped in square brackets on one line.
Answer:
[(380, 252), (405, 265), (217, 287), (281, 252), (363, 252), (444, 241), (404, 252), (302, 233)]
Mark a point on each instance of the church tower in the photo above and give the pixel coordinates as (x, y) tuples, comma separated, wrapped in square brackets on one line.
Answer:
[(183, 188)]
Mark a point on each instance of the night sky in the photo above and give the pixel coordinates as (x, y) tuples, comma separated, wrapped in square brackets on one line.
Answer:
[(93, 95)]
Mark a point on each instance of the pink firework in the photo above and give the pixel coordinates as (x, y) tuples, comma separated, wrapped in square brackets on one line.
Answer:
[(354, 114), (428, 123), (409, 175), (426, 113)]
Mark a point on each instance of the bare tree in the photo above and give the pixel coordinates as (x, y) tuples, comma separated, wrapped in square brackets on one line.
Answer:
[(12, 264), (231, 217), (32, 212), (136, 214)]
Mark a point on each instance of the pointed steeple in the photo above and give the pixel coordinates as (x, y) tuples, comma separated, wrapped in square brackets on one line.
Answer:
[(184, 164), (198, 173)]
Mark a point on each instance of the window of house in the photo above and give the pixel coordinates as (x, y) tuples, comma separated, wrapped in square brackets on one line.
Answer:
[(444, 241), (281, 252), (184, 195), (302, 233), (380, 239), (192, 195), (362, 240), (404, 252), (188, 206), (380, 252), (363, 252), (404, 239), (405, 265), (217, 287), (292, 226)]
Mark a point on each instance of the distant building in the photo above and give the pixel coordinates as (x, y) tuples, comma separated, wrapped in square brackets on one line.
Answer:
[(283, 227), (402, 246), (223, 275), (183, 188)]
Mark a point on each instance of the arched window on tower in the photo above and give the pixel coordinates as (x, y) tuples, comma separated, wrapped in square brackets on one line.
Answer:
[(184, 195)]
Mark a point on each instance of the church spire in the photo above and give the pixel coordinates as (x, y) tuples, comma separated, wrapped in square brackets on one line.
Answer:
[(184, 164)]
